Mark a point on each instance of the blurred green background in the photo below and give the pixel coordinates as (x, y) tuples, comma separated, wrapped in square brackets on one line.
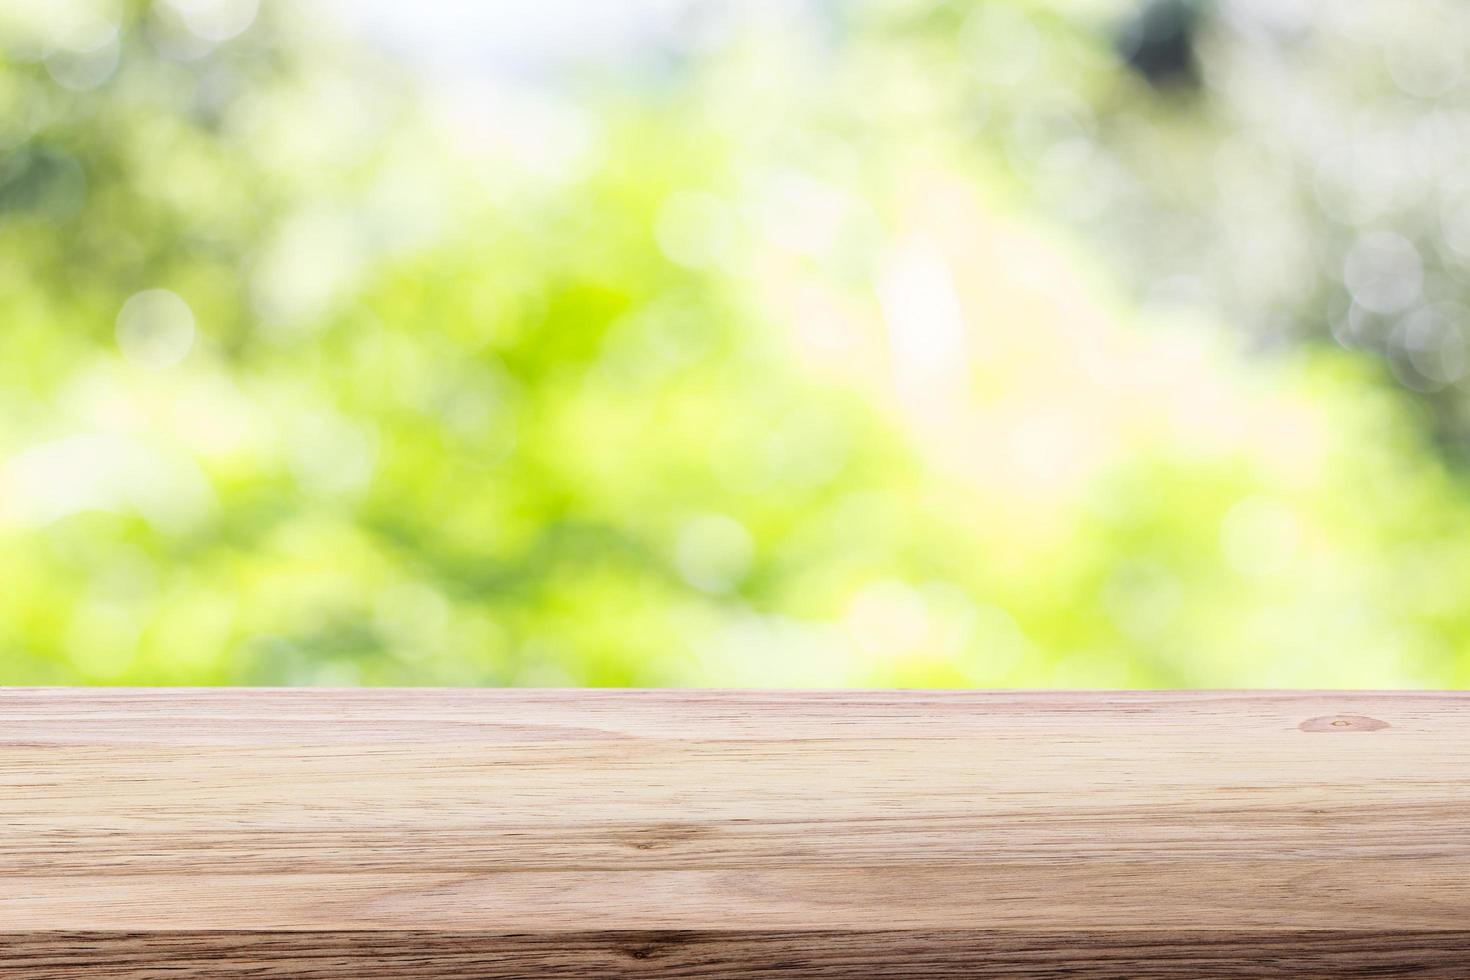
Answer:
[(898, 342)]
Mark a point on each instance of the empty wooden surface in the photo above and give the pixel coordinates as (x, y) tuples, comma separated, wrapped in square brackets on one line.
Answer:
[(419, 833)]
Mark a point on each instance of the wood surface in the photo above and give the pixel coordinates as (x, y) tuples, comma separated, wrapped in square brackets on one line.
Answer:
[(498, 833)]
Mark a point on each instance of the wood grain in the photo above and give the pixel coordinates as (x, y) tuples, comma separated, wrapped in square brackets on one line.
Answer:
[(416, 833)]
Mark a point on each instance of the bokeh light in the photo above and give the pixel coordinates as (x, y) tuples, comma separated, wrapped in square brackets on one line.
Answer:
[(897, 342)]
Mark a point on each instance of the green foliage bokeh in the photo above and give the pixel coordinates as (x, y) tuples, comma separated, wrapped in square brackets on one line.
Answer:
[(532, 412)]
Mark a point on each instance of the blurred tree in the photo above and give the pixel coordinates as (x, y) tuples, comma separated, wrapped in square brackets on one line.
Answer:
[(759, 369), (1310, 193)]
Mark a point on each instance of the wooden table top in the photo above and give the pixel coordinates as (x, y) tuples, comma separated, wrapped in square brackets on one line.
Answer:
[(526, 833)]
